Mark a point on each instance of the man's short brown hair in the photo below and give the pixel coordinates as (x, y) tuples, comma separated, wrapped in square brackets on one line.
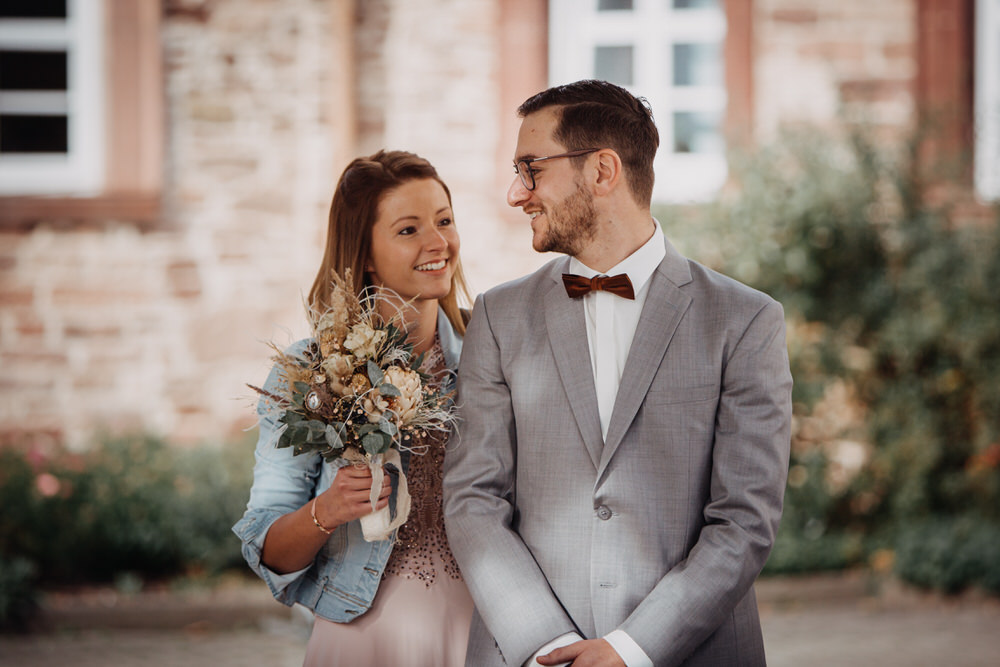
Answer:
[(598, 114)]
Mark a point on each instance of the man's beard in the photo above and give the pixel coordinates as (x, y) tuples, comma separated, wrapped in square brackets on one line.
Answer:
[(571, 226)]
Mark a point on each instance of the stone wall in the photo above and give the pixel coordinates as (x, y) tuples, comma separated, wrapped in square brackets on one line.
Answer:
[(428, 77), (123, 330), (107, 327), (818, 62)]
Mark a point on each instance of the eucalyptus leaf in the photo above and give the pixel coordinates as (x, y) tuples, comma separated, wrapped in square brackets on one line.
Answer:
[(284, 440), (317, 429), (388, 427), (374, 443), (297, 436), (417, 361), (333, 437), (375, 374), (301, 387), (387, 389)]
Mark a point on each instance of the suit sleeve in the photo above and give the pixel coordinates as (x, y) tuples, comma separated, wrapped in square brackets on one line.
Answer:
[(511, 593), (749, 469)]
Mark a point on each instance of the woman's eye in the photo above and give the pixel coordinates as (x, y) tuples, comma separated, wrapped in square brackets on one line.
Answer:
[(407, 231), (444, 222)]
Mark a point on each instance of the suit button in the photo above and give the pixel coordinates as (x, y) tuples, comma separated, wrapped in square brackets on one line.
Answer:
[(604, 512)]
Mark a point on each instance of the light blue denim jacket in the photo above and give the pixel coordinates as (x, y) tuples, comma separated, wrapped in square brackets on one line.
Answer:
[(341, 582)]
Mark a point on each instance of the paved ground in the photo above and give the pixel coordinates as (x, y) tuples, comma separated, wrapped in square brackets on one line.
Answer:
[(818, 622), (836, 622)]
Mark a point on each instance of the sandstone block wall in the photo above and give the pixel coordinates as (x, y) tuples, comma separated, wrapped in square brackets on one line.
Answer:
[(106, 327)]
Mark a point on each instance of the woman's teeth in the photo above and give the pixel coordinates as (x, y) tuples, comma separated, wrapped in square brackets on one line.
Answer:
[(432, 266)]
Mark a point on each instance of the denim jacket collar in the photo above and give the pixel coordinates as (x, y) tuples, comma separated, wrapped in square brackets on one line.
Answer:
[(451, 342)]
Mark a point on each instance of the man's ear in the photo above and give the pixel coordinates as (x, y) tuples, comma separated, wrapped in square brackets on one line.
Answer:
[(609, 172)]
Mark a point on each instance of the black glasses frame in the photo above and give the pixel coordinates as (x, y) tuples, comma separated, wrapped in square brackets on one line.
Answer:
[(527, 174)]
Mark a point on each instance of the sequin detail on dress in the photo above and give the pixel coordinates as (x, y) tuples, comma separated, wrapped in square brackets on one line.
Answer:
[(421, 545)]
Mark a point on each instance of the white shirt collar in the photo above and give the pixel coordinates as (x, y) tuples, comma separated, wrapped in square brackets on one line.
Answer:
[(638, 266)]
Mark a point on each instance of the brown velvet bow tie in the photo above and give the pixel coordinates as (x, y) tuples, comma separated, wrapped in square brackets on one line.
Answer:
[(577, 286)]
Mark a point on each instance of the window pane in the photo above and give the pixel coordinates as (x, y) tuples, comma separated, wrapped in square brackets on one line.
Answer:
[(697, 132), (606, 5), (695, 4), (697, 65), (614, 64), (33, 9), (33, 134), (32, 70)]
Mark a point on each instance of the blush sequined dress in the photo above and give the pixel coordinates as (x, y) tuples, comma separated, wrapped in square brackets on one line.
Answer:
[(422, 611)]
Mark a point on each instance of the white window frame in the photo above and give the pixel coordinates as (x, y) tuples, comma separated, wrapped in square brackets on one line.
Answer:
[(81, 170), (576, 27), (987, 100)]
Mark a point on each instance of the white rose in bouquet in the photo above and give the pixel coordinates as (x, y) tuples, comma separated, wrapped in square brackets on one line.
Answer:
[(364, 341), (337, 368)]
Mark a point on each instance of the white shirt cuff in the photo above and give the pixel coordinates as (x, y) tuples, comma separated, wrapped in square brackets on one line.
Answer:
[(627, 649), (558, 642)]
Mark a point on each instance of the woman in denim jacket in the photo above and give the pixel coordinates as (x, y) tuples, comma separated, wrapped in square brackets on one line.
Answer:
[(399, 601)]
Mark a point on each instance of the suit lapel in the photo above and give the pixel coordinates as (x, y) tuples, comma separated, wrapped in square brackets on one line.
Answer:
[(567, 331), (665, 306)]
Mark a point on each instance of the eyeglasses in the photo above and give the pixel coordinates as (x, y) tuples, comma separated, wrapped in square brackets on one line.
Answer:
[(527, 174)]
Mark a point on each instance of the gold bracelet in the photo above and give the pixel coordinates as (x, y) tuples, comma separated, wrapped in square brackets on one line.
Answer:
[(312, 513)]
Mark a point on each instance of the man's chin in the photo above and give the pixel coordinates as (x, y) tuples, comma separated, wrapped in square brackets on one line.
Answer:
[(539, 243), (548, 245), (545, 243)]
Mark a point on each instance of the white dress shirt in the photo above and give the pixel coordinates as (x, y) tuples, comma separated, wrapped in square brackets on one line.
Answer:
[(611, 320), (611, 323)]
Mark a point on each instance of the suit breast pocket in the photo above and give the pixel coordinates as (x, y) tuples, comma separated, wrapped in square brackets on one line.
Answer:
[(682, 418), (678, 395)]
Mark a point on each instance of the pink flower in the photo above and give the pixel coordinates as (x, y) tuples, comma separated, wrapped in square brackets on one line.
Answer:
[(47, 484)]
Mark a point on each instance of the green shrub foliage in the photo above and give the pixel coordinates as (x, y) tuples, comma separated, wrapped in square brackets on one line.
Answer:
[(888, 295), (950, 553), (129, 505)]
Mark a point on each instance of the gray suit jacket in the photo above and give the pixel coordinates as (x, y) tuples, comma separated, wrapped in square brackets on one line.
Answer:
[(660, 530)]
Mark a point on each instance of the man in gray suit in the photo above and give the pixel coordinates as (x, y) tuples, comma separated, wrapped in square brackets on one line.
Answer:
[(623, 449)]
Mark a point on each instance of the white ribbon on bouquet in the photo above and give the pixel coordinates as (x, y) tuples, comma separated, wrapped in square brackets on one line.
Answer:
[(379, 524)]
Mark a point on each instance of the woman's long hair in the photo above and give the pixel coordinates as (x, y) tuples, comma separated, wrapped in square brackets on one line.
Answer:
[(352, 215)]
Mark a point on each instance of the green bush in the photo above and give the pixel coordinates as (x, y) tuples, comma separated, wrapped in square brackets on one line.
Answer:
[(128, 506), (889, 299), (808, 539), (950, 553), (810, 551)]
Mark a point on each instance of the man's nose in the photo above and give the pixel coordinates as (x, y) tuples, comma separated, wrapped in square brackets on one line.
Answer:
[(517, 194)]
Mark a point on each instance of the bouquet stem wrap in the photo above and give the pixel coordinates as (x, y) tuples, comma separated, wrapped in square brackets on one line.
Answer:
[(379, 524)]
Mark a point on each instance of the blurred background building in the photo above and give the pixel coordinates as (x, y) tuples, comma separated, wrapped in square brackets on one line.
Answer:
[(166, 166)]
